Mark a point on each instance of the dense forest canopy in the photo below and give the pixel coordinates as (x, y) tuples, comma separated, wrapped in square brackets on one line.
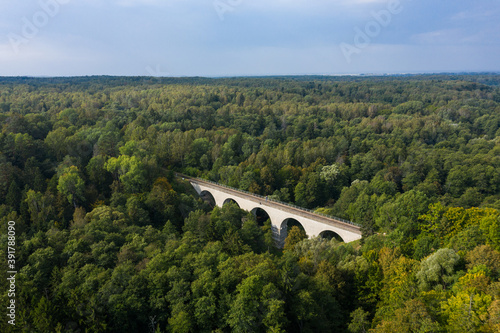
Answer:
[(109, 240)]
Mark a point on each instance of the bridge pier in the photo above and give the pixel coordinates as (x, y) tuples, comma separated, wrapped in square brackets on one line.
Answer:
[(281, 237)]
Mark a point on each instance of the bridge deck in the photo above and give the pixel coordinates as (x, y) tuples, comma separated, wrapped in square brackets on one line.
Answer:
[(330, 220)]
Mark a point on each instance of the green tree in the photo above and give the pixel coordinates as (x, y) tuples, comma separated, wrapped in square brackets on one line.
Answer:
[(329, 173), (360, 322), (432, 220), (180, 322), (43, 316), (467, 310), (13, 197), (486, 256), (97, 173), (412, 317), (490, 225), (300, 193), (295, 235), (199, 148), (438, 269), (40, 207), (72, 186), (257, 305), (458, 180), (162, 202), (130, 171)]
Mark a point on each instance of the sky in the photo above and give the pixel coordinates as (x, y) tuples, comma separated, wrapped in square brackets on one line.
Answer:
[(247, 37)]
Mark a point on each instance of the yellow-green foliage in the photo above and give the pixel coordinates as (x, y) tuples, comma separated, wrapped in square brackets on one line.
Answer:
[(445, 223)]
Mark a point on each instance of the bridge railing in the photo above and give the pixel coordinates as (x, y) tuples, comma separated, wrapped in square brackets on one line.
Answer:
[(269, 199)]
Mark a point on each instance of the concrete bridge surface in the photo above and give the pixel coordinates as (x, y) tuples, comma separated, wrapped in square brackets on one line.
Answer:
[(279, 213)]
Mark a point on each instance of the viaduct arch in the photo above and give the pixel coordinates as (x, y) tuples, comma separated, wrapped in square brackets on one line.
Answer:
[(278, 212)]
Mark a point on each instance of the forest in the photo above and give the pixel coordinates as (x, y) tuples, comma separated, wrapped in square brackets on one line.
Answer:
[(108, 239)]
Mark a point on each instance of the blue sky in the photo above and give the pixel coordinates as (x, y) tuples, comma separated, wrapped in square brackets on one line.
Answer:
[(247, 37)]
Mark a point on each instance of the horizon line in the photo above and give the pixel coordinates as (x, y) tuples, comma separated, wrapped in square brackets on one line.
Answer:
[(256, 75)]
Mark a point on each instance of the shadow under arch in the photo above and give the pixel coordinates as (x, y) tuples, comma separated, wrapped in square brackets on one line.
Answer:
[(287, 225), (208, 198), (290, 223), (328, 234), (230, 200), (261, 216)]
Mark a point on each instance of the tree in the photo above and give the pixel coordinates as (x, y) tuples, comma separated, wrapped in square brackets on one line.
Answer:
[(490, 225), (162, 202), (295, 235), (198, 223), (104, 220), (412, 317), (180, 322), (403, 213), (432, 220), (329, 173), (253, 235), (130, 171), (13, 197), (72, 186), (40, 266), (56, 142), (493, 323), (97, 173), (257, 305), (458, 180), (43, 316), (199, 148), (301, 194), (226, 221), (399, 282), (362, 212), (40, 207), (359, 321), (136, 212), (438, 269), (486, 256), (467, 310), (467, 239)]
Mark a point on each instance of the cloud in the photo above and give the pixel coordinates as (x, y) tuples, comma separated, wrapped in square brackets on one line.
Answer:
[(406, 58), (256, 36), (441, 37), (44, 57), (479, 14)]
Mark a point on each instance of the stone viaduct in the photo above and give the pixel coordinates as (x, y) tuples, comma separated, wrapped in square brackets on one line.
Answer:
[(279, 213)]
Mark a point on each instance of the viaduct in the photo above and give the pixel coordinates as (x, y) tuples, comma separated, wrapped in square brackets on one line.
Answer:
[(279, 213)]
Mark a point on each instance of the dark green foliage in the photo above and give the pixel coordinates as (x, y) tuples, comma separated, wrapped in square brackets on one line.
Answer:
[(109, 240)]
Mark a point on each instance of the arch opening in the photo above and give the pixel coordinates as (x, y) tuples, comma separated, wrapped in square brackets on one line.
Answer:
[(290, 223), (329, 235), (286, 226), (229, 200), (208, 198), (261, 216)]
